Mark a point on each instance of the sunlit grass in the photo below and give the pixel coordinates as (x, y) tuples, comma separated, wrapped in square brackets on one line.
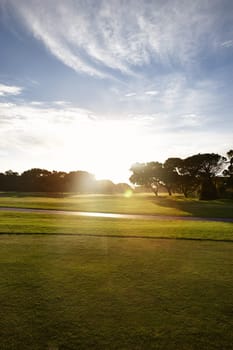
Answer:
[(13, 222), (62, 292), (135, 204)]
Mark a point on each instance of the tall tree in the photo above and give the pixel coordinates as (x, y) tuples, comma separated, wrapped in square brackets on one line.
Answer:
[(204, 168), (147, 174), (10, 181), (169, 176), (229, 171), (35, 180), (79, 181)]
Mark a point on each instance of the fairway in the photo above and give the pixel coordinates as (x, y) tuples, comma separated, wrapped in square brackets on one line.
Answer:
[(136, 204), (63, 292), (69, 282), (116, 175), (28, 223)]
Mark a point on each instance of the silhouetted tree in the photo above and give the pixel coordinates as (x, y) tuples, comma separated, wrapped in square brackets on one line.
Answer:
[(169, 176), (79, 181), (147, 174), (57, 181), (183, 175), (204, 168), (9, 181), (35, 180), (105, 186), (228, 173), (122, 187)]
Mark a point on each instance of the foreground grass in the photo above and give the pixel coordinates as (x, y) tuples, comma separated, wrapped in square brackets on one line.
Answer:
[(13, 222), (63, 292), (137, 204)]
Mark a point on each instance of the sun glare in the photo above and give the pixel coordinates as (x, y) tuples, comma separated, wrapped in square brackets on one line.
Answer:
[(106, 148)]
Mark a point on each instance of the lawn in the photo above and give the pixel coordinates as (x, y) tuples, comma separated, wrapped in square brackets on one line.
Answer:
[(137, 204), (70, 292), (69, 282), (15, 222)]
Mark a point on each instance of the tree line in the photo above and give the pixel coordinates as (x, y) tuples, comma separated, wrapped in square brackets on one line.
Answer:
[(208, 175), (42, 180)]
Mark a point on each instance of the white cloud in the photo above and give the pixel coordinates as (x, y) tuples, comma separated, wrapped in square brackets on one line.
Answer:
[(68, 137), (64, 137), (61, 103), (192, 120), (131, 94), (10, 90), (36, 103), (95, 37), (151, 92), (36, 128), (227, 44)]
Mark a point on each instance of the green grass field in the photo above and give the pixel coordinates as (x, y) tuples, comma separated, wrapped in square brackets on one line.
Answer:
[(14, 222), (137, 204), (63, 292), (69, 282)]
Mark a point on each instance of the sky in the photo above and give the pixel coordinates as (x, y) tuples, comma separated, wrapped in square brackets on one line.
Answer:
[(98, 85)]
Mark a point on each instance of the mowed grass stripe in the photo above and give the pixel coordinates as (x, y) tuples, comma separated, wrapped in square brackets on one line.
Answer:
[(100, 293), (137, 204), (34, 223)]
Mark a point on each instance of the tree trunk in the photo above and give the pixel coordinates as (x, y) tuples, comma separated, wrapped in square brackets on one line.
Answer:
[(208, 190), (168, 188), (155, 189)]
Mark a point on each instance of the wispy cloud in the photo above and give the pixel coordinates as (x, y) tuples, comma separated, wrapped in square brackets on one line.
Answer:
[(98, 37), (40, 111), (62, 136), (9, 90), (171, 92), (35, 127), (227, 43), (131, 94), (140, 95), (151, 92)]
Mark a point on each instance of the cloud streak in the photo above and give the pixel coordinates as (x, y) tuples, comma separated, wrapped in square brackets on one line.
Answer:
[(101, 37), (6, 90), (169, 86)]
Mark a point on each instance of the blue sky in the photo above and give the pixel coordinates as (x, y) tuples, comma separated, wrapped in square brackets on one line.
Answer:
[(97, 85)]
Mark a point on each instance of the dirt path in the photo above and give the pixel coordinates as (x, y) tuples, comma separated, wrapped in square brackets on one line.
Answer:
[(114, 215)]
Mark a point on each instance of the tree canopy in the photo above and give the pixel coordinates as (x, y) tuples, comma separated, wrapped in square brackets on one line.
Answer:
[(42, 180), (197, 173)]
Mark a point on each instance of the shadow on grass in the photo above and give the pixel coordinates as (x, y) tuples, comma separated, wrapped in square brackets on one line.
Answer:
[(216, 208)]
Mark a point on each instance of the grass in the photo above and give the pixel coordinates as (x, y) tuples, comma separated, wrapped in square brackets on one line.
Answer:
[(116, 291), (137, 204), (13, 222), (63, 292)]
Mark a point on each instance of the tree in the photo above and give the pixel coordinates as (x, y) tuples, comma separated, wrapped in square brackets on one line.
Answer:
[(35, 180), (147, 174), (105, 186), (204, 168), (79, 181), (122, 187), (10, 181), (56, 181), (169, 176), (229, 171), (186, 180)]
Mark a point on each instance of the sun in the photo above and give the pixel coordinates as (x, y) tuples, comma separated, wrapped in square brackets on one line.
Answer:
[(106, 148)]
